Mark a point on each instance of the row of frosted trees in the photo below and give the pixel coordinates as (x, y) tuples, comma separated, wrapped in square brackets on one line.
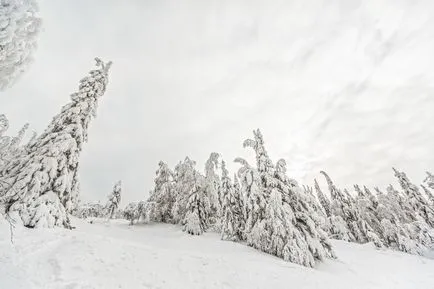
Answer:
[(263, 207), (399, 219), (260, 205)]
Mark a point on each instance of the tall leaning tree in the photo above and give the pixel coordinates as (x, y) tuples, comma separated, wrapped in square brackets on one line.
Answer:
[(43, 181), (19, 28)]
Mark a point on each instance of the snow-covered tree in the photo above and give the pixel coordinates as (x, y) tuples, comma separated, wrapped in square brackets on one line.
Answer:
[(10, 147), (185, 177), (429, 180), (132, 212), (352, 218), (89, 210), (114, 200), (339, 213), (252, 194), (198, 208), (323, 200), (43, 182), (306, 219), (280, 218), (19, 28), (414, 199), (232, 213), (259, 182), (429, 195), (212, 185), (162, 197)]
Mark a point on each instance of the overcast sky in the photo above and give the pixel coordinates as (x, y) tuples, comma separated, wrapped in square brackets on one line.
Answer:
[(345, 86)]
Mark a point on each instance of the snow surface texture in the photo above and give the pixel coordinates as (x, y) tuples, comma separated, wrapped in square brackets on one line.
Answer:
[(115, 255)]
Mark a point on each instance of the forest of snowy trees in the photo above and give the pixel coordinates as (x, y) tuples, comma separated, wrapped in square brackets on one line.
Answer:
[(260, 205), (264, 208)]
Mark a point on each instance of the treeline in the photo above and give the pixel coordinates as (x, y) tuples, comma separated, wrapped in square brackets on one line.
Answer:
[(263, 207)]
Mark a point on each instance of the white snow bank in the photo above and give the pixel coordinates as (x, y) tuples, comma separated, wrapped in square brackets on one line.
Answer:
[(115, 255)]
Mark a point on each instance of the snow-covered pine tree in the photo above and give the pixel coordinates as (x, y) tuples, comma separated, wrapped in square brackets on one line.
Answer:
[(10, 147), (240, 203), (356, 215), (43, 182), (114, 200), (428, 194), (185, 177), (368, 222), (429, 180), (198, 208), (305, 219), (131, 212), (212, 185), (339, 213), (162, 196), (359, 191), (415, 199), (89, 210), (259, 181), (251, 194), (232, 214), (19, 28), (280, 220), (323, 200), (394, 231)]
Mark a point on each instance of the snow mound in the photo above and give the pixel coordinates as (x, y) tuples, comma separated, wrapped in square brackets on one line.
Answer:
[(115, 255)]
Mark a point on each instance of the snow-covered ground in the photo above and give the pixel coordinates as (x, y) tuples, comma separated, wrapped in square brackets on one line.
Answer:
[(115, 255)]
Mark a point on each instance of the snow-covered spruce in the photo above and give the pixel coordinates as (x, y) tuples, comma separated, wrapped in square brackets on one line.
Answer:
[(198, 207), (19, 28), (212, 185), (114, 200), (162, 197), (415, 199), (132, 212), (43, 181), (232, 219), (280, 220), (347, 223), (185, 181), (429, 195)]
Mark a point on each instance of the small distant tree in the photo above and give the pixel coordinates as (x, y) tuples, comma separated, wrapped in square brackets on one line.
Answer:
[(114, 200), (131, 212)]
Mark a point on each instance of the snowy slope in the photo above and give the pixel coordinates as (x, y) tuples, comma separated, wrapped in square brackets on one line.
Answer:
[(115, 255)]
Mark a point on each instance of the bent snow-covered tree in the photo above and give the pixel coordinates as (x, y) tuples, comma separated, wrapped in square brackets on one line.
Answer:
[(19, 28), (43, 181), (114, 200)]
